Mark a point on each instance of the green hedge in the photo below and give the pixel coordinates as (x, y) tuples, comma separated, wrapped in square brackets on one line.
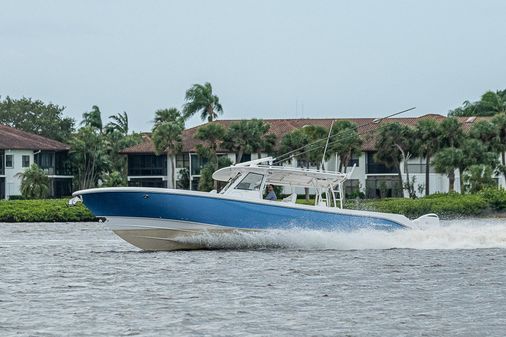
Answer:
[(445, 205), (47, 210)]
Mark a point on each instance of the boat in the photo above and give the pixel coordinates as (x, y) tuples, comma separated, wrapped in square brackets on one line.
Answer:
[(154, 219)]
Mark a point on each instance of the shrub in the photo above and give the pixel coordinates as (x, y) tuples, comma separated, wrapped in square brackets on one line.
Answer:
[(445, 205), (47, 210), (495, 197)]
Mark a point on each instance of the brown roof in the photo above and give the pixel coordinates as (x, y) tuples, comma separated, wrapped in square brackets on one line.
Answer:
[(11, 138), (280, 127)]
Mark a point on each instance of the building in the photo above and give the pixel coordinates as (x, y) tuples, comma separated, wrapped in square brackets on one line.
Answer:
[(369, 177), (20, 149)]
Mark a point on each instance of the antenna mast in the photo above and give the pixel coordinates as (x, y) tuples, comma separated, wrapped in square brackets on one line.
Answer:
[(327, 144)]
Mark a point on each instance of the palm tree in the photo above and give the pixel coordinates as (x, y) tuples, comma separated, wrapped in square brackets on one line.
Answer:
[(118, 123), (493, 103), (247, 136), (34, 183), (167, 130), (298, 141), (428, 135), (446, 161), (200, 98), (500, 124), (395, 143), (347, 142), (167, 139), (212, 134), (475, 153), (168, 115), (490, 104), (89, 156), (451, 132), (93, 118)]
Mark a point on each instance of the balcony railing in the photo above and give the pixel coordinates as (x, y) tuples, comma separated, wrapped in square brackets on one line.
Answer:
[(60, 171), (381, 169), (147, 171), (419, 168)]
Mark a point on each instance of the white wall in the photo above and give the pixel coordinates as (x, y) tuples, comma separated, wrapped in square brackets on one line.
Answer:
[(13, 183)]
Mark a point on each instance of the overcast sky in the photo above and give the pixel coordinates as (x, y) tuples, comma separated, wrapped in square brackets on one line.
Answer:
[(335, 58)]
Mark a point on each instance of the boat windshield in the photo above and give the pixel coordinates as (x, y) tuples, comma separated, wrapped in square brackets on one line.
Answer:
[(230, 182), (251, 182)]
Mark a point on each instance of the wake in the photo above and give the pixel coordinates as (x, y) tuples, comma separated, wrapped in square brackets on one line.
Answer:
[(455, 234)]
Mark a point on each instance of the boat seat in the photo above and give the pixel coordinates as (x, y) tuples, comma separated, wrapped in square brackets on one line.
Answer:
[(292, 198)]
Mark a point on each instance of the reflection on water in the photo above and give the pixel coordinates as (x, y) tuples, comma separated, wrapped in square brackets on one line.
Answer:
[(80, 279)]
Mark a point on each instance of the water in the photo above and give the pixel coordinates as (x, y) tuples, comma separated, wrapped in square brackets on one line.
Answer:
[(81, 280)]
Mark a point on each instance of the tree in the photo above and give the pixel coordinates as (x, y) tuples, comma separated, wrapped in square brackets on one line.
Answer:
[(447, 161), (93, 118), (206, 182), (89, 157), (428, 135), (118, 123), (34, 183), (200, 98), (247, 136), (114, 179), (36, 117), (490, 103), (212, 135), (114, 142), (451, 133), (479, 177), (167, 139), (298, 143), (346, 142), (172, 115), (167, 131), (499, 122), (475, 153), (395, 144)]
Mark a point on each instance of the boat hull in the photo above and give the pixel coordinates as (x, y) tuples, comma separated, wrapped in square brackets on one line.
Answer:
[(154, 219), (162, 234)]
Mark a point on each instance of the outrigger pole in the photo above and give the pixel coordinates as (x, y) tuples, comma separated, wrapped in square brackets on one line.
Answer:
[(326, 145)]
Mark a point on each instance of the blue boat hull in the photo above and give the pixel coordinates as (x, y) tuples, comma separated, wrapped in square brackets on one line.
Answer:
[(234, 214)]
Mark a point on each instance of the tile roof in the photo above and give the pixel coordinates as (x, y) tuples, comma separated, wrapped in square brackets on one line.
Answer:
[(280, 127), (11, 138)]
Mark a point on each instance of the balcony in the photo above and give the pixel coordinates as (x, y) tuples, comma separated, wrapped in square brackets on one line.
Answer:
[(147, 165), (419, 168)]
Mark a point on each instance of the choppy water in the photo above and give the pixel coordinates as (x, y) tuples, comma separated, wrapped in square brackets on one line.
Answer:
[(81, 280)]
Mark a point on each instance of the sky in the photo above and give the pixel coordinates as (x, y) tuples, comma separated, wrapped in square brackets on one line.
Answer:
[(265, 59)]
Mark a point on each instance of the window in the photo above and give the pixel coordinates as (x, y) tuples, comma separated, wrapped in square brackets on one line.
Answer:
[(9, 161), (245, 157), (354, 160), (183, 160), (25, 161), (251, 182), (197, 164), (147, 165)]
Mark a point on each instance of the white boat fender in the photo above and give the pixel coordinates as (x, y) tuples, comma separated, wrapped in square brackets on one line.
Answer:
[(74, 201)]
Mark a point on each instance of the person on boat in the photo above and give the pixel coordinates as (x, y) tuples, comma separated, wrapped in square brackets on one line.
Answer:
[(271, 195)]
